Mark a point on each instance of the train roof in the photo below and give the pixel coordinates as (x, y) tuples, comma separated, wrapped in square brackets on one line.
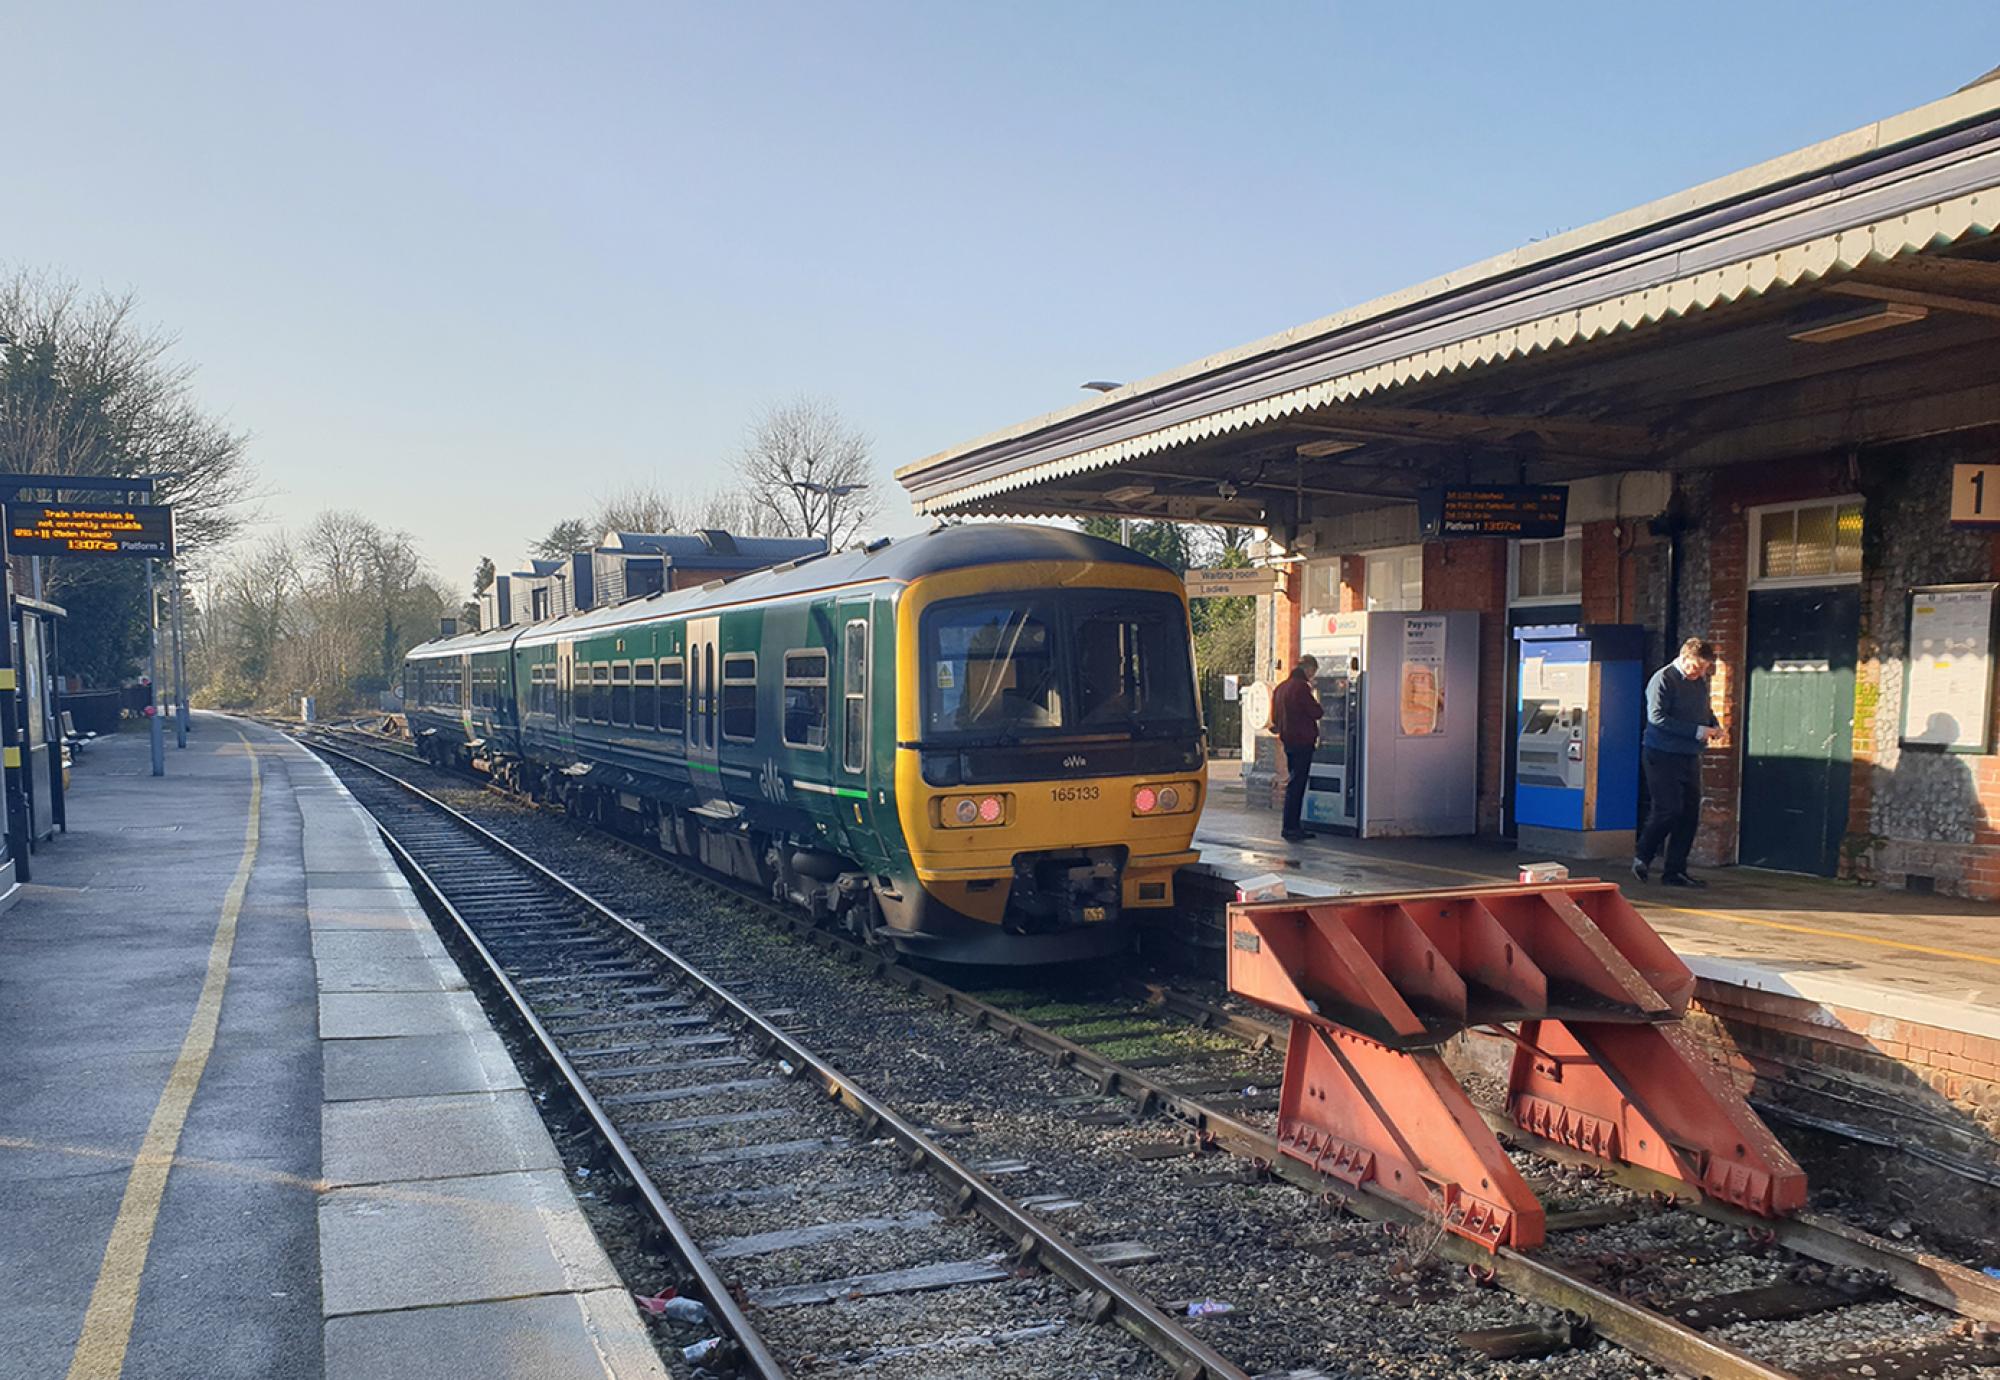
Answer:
[(897, 562)]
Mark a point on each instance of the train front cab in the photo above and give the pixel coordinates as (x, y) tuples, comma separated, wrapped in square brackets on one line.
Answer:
[(1050, 761)]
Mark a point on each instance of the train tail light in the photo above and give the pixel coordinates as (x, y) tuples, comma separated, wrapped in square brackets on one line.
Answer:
[(1165, 798), (972, 811)]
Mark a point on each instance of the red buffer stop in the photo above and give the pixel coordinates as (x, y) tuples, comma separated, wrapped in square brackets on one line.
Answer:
[(1570, 972)]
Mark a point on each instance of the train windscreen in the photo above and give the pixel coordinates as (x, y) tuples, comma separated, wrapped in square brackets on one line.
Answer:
[(1085, 662)]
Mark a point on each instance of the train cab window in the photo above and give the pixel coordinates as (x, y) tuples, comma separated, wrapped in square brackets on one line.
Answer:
[(805, 699), (854, 696), (600, 692), (1131, 655), (621, 694), (645, 696), (739, 697), (673, 696), (990, 667)]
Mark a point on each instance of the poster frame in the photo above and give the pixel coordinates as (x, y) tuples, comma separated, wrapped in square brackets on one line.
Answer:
[(1985, 744)]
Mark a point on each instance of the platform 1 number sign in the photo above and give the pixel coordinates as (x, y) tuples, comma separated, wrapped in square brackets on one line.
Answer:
[(1975, 495)]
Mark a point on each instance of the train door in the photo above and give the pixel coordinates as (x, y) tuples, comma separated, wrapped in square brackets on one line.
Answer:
[(565, 688), (704, 705), (861, 778)]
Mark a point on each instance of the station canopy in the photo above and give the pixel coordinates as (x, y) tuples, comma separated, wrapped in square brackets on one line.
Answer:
[(1844, 295)]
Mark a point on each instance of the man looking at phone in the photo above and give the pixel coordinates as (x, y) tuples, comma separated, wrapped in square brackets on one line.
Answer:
[(1680, 723)]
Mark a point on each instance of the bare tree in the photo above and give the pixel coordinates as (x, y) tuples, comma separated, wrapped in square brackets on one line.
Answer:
[(808, 469), (85, 389), (637, 508)]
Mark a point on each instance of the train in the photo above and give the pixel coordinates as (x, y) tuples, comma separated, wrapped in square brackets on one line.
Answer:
[(979, 745)]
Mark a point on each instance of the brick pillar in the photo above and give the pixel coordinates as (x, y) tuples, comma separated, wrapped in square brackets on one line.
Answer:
[(1354, 571), (1722, 768), (1604, 576), (1472, 574), (1285, 611)]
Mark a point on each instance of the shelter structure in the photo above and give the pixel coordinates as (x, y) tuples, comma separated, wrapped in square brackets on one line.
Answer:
[(1755, 397)]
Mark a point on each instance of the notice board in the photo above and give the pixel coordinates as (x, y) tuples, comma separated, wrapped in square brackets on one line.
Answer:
[(1948, 671)]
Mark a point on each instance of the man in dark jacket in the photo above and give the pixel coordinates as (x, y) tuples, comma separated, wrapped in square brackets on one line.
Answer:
[(1680, 722), (1295, 715)]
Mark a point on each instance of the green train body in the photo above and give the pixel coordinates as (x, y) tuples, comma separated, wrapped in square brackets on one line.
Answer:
[(784, 729)]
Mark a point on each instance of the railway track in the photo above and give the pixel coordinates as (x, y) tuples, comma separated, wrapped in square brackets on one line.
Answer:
[(1813, 1270)]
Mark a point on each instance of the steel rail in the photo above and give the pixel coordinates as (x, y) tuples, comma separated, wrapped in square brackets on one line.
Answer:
[(1643, 1331), (721, 1304), (1828, 1240), (1035, 1241)]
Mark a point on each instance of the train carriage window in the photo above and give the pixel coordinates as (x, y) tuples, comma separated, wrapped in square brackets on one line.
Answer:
[(621, 694), (805, 699), (673, 696), (534, 689), (854, 696), (600, 692), (739, 697), (645, 697)]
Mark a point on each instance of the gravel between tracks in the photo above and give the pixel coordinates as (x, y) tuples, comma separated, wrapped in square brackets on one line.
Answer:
[(1309, 1288)]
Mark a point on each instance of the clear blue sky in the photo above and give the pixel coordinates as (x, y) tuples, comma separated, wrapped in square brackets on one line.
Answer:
[(465, 267)]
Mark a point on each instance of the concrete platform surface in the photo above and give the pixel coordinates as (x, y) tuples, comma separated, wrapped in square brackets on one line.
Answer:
[(323, 1039), (1932, 959)]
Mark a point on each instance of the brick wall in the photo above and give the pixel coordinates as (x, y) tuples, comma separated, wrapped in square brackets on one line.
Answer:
[(1354, 575), (1473, 575)]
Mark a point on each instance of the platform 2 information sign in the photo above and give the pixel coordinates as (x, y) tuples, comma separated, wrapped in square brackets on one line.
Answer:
[(77, 529), (1532, 511)]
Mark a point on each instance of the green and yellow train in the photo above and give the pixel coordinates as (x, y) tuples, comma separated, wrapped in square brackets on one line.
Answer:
[(980, 745)]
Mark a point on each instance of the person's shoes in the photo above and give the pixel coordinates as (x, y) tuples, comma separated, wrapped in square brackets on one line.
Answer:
[(1295, 836), (1641, 872), (1682, 879)]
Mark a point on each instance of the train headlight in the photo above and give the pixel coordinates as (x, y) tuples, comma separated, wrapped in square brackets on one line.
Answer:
[(972, 811), (1166, 798)]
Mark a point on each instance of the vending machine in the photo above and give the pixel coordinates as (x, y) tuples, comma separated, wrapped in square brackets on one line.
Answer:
[(1398, 746), (1579, 714)]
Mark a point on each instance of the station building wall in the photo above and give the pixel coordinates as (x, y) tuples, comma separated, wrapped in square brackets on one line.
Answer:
[(1915, 817)]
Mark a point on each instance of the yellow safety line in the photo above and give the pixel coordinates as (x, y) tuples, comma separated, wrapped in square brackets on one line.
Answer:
[(107, 1323), (1730, 916)]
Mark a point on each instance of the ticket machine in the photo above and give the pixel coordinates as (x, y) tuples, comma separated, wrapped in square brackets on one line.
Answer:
[(1398, 740), (1579, 713)]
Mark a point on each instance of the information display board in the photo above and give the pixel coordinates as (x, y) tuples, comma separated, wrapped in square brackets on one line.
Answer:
[(74, 529), (1948, 673), (1533, 511)]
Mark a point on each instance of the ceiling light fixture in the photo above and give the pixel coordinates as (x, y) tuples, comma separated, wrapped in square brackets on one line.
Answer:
[(1314, 450)]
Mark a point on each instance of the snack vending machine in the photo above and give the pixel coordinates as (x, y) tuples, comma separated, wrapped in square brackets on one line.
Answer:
[(1579, 714), (1398, 745)]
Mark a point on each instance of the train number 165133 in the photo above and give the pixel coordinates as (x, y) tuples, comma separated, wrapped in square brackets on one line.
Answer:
[(1062, 793)]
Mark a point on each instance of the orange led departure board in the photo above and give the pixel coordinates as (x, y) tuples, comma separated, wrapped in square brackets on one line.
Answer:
[(75, 529)]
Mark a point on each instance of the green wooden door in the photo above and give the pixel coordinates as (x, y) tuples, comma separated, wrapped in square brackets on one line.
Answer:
[(1799, 732)]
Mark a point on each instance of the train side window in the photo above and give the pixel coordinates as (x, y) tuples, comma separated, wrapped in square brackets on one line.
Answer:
[(854, 696), (805, 700), (600, 692), (705, 695), (621, 694), (673, 696), (534, 690), (739, 697), (645, 697)]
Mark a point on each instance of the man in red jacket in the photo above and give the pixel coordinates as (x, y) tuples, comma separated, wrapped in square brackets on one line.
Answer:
[(1295, 715)]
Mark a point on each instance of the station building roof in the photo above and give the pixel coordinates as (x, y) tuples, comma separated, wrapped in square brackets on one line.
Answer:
[(1826, 297)]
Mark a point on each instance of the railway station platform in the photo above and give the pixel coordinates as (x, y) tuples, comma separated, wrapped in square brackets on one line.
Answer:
[(1866, 1017), (252, 1124)]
